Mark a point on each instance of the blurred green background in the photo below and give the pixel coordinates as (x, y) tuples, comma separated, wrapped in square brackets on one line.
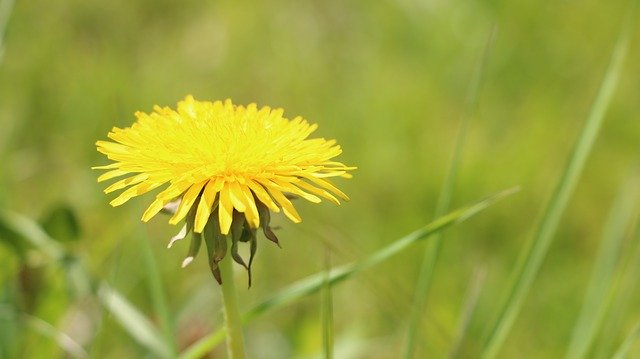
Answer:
[(388, 80)]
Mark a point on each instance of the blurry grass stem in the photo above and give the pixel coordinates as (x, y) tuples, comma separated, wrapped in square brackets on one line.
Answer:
[(623, 351), (529, 264), (64, 341), (601, 285), (316, 282), (233, 322), (327, 309), (469, 307), (432, 248), (625, 290), (5, 10), (158, 294)]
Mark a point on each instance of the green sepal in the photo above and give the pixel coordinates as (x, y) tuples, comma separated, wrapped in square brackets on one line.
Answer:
[(216, 245), (265, 219), (194, 248)]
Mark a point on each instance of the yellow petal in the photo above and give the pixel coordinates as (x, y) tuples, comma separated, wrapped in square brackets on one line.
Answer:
[(291, 187), (329, 186), (154, 208), (236, 196), (252, 213), (133, 191), (111, 174), (262, 195), (318, 191), (188, 199), (126, 182), (107, 167), (287, 206), (225, 210), (206, 204)]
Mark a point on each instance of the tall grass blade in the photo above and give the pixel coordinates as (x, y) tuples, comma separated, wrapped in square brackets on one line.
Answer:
[(66, 343), (159, 295), (622, 352), (432, 248), (471, 300), (136, 324), (5, 10), (314, 283), (623, 297), (327, 311), (527, 268), (600, 286)]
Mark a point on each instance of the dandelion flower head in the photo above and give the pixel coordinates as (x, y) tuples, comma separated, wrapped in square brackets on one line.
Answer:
[(226, 165)]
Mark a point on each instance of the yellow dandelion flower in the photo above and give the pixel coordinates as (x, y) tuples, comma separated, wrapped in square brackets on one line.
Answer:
[(226, 165)]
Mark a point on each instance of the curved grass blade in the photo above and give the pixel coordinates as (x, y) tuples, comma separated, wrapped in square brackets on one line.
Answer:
[(600, 285), (66, 343), (529, 264), (623, 297), (314, 283), (432, 249), (470, 302), (622, 352), (136, 324)]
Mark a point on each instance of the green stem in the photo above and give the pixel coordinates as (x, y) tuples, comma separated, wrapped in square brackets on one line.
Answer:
[(235, 339)]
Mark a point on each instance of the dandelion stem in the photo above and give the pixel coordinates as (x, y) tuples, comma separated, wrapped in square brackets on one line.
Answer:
[(235, 339)]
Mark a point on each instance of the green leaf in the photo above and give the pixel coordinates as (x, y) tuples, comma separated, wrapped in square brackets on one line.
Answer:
[(314, 283), (25, 232), (529, 264), (61, 224)]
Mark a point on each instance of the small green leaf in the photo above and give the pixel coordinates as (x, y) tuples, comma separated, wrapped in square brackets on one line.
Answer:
[(61, 223)]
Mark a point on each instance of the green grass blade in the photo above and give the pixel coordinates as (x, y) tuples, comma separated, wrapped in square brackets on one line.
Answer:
[(626, 285), (66, 343), (314, 283), (5, 10), (432, 248), (600, 286), (622, 352), (327, 311), (133, 321), (528, 267), (470, 302), (159, 295)]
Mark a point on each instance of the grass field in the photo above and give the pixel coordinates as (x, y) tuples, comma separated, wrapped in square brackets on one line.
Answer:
[(547, 94)]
